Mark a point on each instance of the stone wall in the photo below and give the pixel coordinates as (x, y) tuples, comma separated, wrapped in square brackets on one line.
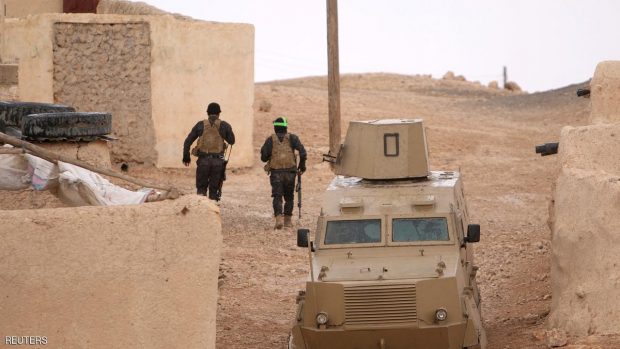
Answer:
[(107, 68), (142, 276)]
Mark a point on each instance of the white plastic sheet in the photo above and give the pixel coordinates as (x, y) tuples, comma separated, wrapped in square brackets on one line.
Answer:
[(81, 187), (44, 173)]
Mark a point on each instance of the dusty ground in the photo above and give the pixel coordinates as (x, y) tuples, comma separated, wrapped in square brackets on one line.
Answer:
[(488, 134)]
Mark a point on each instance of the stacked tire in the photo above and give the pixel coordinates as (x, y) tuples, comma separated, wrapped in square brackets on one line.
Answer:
[(49, 121)]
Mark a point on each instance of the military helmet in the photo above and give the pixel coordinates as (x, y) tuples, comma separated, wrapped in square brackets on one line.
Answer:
[(213, 108)]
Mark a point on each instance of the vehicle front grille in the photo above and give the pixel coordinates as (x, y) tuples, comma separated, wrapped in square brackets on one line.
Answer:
[(380, 304)]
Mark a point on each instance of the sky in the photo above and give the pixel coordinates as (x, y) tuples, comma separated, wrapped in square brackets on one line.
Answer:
[(544, 44)]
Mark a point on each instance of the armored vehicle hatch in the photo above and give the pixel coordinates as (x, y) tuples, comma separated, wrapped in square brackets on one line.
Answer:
[(384, 149)]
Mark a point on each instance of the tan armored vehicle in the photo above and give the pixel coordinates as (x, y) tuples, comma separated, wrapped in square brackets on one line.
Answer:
[(391, 265)]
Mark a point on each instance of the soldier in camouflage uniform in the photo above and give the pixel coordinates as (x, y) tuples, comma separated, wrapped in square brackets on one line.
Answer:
[(279, 153), (212, 135)]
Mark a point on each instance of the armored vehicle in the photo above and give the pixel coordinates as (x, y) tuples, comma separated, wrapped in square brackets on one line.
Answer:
[(391, 263)]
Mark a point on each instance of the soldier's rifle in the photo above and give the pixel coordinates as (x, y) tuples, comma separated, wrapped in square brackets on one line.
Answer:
[(223, 176)]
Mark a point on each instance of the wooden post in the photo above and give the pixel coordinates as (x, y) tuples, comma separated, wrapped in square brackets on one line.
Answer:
[(333, 77), (54, 158), (2, 30), (505, 76)]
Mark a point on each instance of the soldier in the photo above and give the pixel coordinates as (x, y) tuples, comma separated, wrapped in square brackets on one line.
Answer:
[(212, 135), (279, 153)]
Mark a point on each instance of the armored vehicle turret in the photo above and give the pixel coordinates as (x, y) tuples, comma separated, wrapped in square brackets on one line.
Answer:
[(391, 262)]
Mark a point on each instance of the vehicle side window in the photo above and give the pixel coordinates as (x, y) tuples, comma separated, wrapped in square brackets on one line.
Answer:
[(353, 232), (420, 229)]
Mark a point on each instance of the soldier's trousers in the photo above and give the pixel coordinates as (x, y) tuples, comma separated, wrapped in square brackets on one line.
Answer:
[(209, 175), (283, 186)]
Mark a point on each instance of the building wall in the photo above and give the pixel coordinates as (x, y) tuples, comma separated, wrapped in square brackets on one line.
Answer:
[(29, 43), (142, 276), (107, 68), (22, 8), (192, 63)]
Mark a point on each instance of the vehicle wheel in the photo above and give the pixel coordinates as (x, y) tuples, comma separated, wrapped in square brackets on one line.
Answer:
[(68, 124), (13, 112)]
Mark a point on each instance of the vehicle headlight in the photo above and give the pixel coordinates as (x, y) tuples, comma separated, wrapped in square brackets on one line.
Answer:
[(321, 318), (441, 314)]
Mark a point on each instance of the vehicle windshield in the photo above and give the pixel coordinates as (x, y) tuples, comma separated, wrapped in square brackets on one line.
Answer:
[(353, 232), (420, 229)]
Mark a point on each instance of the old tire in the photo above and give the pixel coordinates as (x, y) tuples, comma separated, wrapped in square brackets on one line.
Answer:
[(12, 113), (69, 124)]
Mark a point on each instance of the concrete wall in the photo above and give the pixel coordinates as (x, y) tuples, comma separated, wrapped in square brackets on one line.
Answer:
[(141, 276), (605, 93), (192, 63), (23, 8)]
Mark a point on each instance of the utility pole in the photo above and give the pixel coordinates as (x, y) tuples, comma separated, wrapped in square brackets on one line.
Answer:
[(333, 77), (2, 30)]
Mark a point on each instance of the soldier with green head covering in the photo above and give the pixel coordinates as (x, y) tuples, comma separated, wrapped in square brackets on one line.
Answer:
[(278, 152)]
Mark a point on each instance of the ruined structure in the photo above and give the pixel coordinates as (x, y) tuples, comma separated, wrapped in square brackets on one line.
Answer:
[(585, 277), (154, 73)]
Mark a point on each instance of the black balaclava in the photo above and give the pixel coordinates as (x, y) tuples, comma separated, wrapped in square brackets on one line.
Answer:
[(279, 129)]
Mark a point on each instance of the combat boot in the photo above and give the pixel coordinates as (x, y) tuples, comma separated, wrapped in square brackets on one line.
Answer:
[(279, 222), (288, 221)]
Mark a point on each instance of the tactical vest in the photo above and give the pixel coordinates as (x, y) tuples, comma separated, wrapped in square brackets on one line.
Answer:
[(282, 154), (211, 142)]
